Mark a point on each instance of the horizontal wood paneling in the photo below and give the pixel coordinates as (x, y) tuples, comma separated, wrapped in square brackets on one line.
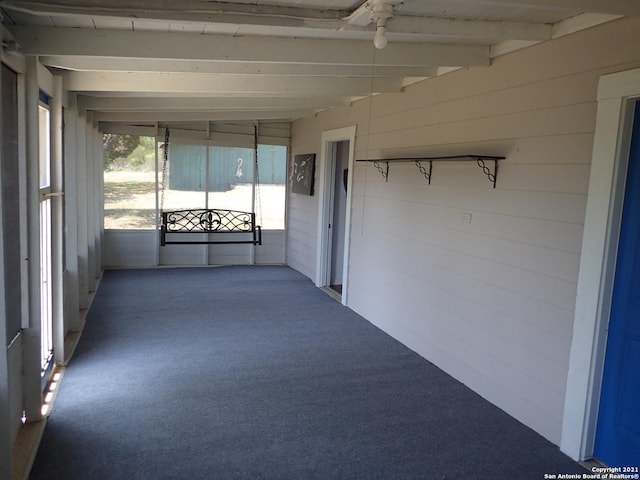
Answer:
[(136, 248), (272, 249), (129, 248), (301, 232), (491, 301)]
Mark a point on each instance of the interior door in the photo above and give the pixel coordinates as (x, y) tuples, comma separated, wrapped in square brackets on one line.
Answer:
[(618, 429), (338, 226)]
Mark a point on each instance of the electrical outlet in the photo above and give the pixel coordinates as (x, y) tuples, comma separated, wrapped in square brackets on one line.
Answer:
[(465, 217)]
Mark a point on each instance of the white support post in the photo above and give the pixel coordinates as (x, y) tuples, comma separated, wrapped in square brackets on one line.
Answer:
[(252, 248), (81, 202), (5, 427), (31, 343), (71, 296), (57, 204), (97, 203), (157, 192), (100, 199), (90, 204)]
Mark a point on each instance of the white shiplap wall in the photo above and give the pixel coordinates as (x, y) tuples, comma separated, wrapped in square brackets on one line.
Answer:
[(492, 301), (137, 248), (302, 214)]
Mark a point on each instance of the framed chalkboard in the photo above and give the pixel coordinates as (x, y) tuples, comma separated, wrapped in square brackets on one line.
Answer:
[(304, 167)]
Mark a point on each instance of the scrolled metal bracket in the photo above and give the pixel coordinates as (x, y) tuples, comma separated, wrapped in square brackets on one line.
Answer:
[(487, 170), (483, 162), (426, 173), (383, 171)]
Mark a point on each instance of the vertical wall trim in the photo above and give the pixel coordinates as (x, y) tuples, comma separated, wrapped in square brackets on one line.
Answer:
[(22, 178), (72, 302), (81, 205), (325, 180), (99, 199), (89, 180), (5, 414), (98, 180), (597, 261), (31, 350), (57, 203), (347, 220), (156, 162)]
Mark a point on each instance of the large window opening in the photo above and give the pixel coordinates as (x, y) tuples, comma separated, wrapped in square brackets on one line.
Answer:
[(193, 176), (129, 182), (46, 291)]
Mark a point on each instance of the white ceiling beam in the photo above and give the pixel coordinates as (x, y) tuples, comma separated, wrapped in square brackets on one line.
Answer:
[(195, 10), (97, 64), (176, 104), (613, 7), (225, 84), (560, 29), (199, 116), (469, 29), (190, 46), (580, 22), (296, 25), (128, 129)]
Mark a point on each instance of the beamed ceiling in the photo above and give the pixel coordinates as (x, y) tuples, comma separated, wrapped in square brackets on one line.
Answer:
[(147, 61)]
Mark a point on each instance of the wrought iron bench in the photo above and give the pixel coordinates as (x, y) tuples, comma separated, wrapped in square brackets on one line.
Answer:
[(210, 220)]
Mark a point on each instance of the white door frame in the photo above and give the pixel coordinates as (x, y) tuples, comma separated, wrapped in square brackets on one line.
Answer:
[(325, 186), (612, 138)]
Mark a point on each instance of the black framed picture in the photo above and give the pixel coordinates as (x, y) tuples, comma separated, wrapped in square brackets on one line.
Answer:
[(304, 167)]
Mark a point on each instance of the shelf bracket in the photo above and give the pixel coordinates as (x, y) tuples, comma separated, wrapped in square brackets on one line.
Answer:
[(426, 173), (383, 171), (487, 170)]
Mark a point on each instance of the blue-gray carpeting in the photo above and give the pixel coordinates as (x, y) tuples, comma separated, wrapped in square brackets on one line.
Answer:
[(253, 373)]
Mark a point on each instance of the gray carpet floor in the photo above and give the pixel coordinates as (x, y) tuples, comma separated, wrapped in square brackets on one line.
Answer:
[(253, 373)]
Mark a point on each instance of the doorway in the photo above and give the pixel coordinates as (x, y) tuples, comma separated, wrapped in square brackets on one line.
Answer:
[(617, 97), (618, 429), (337, 225), (336, 163)]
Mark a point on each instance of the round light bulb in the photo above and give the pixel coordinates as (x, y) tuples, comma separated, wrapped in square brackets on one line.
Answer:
[(380, 39)]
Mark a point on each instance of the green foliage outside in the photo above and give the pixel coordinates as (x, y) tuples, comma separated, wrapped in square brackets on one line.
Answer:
[(129, 182), (128, 152)]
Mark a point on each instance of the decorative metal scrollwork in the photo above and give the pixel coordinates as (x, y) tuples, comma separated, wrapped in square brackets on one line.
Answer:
[(208, 221), (480, 160), (423, 170), (487, 171), (383, 171), (211, 221)]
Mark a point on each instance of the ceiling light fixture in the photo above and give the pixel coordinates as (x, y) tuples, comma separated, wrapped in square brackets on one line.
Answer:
[(378, 12), (381, 12)]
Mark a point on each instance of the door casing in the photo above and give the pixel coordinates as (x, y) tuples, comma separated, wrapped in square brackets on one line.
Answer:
[(325, 213), (617, 94)]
